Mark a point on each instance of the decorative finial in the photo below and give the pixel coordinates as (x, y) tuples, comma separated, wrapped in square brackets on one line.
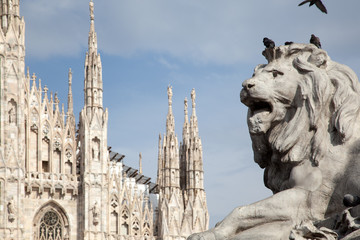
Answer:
[(91, 6), (170, 94), (45, 89), (193, 96)]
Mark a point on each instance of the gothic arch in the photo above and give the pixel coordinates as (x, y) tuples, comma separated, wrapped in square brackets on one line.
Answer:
[(52, 217)]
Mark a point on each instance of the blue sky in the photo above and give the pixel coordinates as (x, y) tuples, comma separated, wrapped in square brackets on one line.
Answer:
[(209, 45)]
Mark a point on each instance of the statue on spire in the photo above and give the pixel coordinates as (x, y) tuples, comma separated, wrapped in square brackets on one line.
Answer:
[(185, 105), (91, 6), (169, 90), (193, 96), (70, 76)]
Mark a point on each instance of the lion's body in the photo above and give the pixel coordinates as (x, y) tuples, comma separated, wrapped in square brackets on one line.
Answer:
[(303, 120)]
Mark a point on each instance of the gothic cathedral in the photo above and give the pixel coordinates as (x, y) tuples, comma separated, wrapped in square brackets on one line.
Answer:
[(59, 181)]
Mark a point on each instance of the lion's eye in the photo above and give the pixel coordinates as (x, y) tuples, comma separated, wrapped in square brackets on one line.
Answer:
[(276, 73)]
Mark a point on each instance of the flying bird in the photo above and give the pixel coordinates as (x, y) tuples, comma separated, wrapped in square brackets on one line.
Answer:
[(318, 3), (268, 43), (315, 40)]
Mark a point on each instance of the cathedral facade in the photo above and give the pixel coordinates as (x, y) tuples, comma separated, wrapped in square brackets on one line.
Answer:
[(60, 180)]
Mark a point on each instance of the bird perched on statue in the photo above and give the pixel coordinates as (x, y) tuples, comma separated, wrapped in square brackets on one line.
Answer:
[(351, 200), (288, 43), (315, 40), (318, 3), (268, 43)]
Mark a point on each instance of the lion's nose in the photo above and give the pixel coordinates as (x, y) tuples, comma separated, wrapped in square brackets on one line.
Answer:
[(248, 84)]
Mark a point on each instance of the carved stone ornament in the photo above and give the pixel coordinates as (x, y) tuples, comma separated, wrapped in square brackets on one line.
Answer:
[(68, 155), (57, 145), (57, 125), (34, 128), (45, 131), (303, 120)]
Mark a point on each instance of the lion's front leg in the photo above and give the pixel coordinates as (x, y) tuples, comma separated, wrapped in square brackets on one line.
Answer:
[(288, 206)]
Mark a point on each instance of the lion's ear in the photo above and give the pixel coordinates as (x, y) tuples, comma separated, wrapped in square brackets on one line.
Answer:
[(318, 58)]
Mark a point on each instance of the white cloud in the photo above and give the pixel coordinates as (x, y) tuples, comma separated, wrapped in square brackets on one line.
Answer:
[(167, 64)]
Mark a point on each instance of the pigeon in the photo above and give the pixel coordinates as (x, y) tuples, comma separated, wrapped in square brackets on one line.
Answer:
[(351, 200), (268, 43), (315, 40), (318, 3), (288, 43)]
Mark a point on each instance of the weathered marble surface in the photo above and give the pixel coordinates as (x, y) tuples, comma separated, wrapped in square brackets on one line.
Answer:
[(303, 120)]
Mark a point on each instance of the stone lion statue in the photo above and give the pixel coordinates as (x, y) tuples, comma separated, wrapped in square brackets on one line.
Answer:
[(303, 119)]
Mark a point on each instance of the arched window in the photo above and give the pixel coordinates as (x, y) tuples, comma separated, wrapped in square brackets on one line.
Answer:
[(124, 228), (114, 222), (114, 216), (51, 228), (51, 223)]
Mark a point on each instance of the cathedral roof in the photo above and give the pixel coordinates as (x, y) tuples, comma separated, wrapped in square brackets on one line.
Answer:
[(133, 173)]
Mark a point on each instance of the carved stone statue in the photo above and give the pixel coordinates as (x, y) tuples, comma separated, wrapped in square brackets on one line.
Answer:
[(96, 213), (303, 119), (96, 149), (11, 210), (170, 94), (12, 116), (193, 96), (12, 112), (91, 8)]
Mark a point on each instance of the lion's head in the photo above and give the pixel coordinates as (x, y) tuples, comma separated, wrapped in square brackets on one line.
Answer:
[(299, 103)]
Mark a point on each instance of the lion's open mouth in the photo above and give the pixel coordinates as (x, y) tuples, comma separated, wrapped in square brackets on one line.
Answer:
[(257, 107), (260, 106), (259, 116)]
